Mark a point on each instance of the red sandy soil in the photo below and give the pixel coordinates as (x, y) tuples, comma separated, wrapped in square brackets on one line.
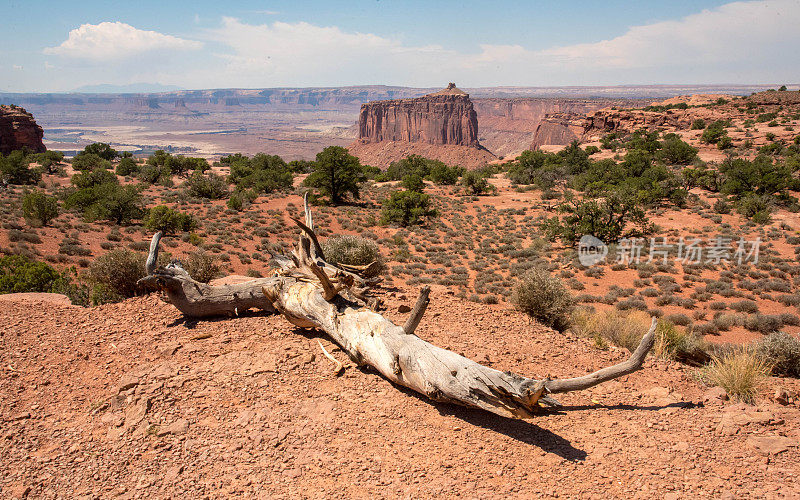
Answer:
[(130, 401)]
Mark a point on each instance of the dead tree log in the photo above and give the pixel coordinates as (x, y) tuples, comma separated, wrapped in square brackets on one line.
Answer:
[(200, 300), (311, 293)]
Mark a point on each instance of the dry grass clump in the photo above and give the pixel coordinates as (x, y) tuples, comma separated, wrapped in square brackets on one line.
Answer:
[(353, 251), (741, 372), (783, 352), (202, 267), (626, 329), (545, 298)]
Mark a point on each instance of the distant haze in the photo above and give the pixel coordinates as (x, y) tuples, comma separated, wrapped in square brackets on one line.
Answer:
[(131, 88)]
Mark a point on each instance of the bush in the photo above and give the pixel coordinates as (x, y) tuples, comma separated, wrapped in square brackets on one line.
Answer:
[(100, 149), (163, 218), (475, 182), (763, 323), (353, 251), (114, 276), (741, 373), (677, 152), (19, 274), (544, 298), (89, 161), (609, 220), (263, 173), (39, 207), (680, 345), (202, 266), (624, 329), (782, 350), (407, 208), (336, 173), (15, 169), (413, 182), (714, 132), (441, 174), (698, 124), (127, 166), (211, 186)]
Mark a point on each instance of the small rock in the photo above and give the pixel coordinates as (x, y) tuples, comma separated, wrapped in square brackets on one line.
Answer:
[(130, 379), (403, 308), (178, 427), (172, 473), (781, 396), (137, 412), (169, 349), (770, 445), (715, 395), (20, 416), (658, 392)]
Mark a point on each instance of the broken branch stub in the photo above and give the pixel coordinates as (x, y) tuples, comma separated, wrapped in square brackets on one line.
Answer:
[(312, 293)]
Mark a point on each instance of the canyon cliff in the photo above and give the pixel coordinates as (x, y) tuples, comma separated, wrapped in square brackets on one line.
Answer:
[(18, 129), (444, 117), (442, 125)]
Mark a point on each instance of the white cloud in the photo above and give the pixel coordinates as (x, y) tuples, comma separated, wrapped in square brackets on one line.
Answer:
[(737, 42), (740, 42), (108, 41)]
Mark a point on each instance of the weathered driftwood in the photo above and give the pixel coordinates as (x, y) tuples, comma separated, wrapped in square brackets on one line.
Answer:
[(311, 293), (200, 300)]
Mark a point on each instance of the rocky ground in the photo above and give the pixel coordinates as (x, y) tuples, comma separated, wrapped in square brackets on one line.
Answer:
[(130, 400)]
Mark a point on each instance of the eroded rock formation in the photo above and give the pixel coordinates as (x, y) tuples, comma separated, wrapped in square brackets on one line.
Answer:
[(446, 117), (611, 120), (18, 129)]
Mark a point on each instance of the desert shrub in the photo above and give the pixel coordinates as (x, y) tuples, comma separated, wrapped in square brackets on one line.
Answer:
[(756, 208), (15, 169), (744, 306), (407, 208), (170, 165), (127, 166), (714, 132), (442, 174), (624, 329), (202, 267), (413, 182), (609, 220), (678, 319), (680, 345), (545, 298), (782, 350), (698, 124), (353, 251), (539, 168), (476, 182), (763, 323), (336, 174), (740, 372), (163, 218), (677, 152), (262, 173), (39, 207), (100, 149), (89, 161), (211, 186), (114, 276), (20, 274), (108, 201)]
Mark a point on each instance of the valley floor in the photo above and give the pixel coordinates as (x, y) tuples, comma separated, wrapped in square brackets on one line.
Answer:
[(129, 400)]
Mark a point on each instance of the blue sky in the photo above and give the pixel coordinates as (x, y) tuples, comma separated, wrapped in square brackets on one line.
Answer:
[(58, 46)]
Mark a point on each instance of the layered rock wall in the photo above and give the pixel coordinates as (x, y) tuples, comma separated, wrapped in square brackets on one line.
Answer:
[(18, 129), (443, 118)]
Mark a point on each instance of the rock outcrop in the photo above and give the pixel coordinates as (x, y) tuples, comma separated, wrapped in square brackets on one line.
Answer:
[(18, 129), (612, 120), (446, 117)]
